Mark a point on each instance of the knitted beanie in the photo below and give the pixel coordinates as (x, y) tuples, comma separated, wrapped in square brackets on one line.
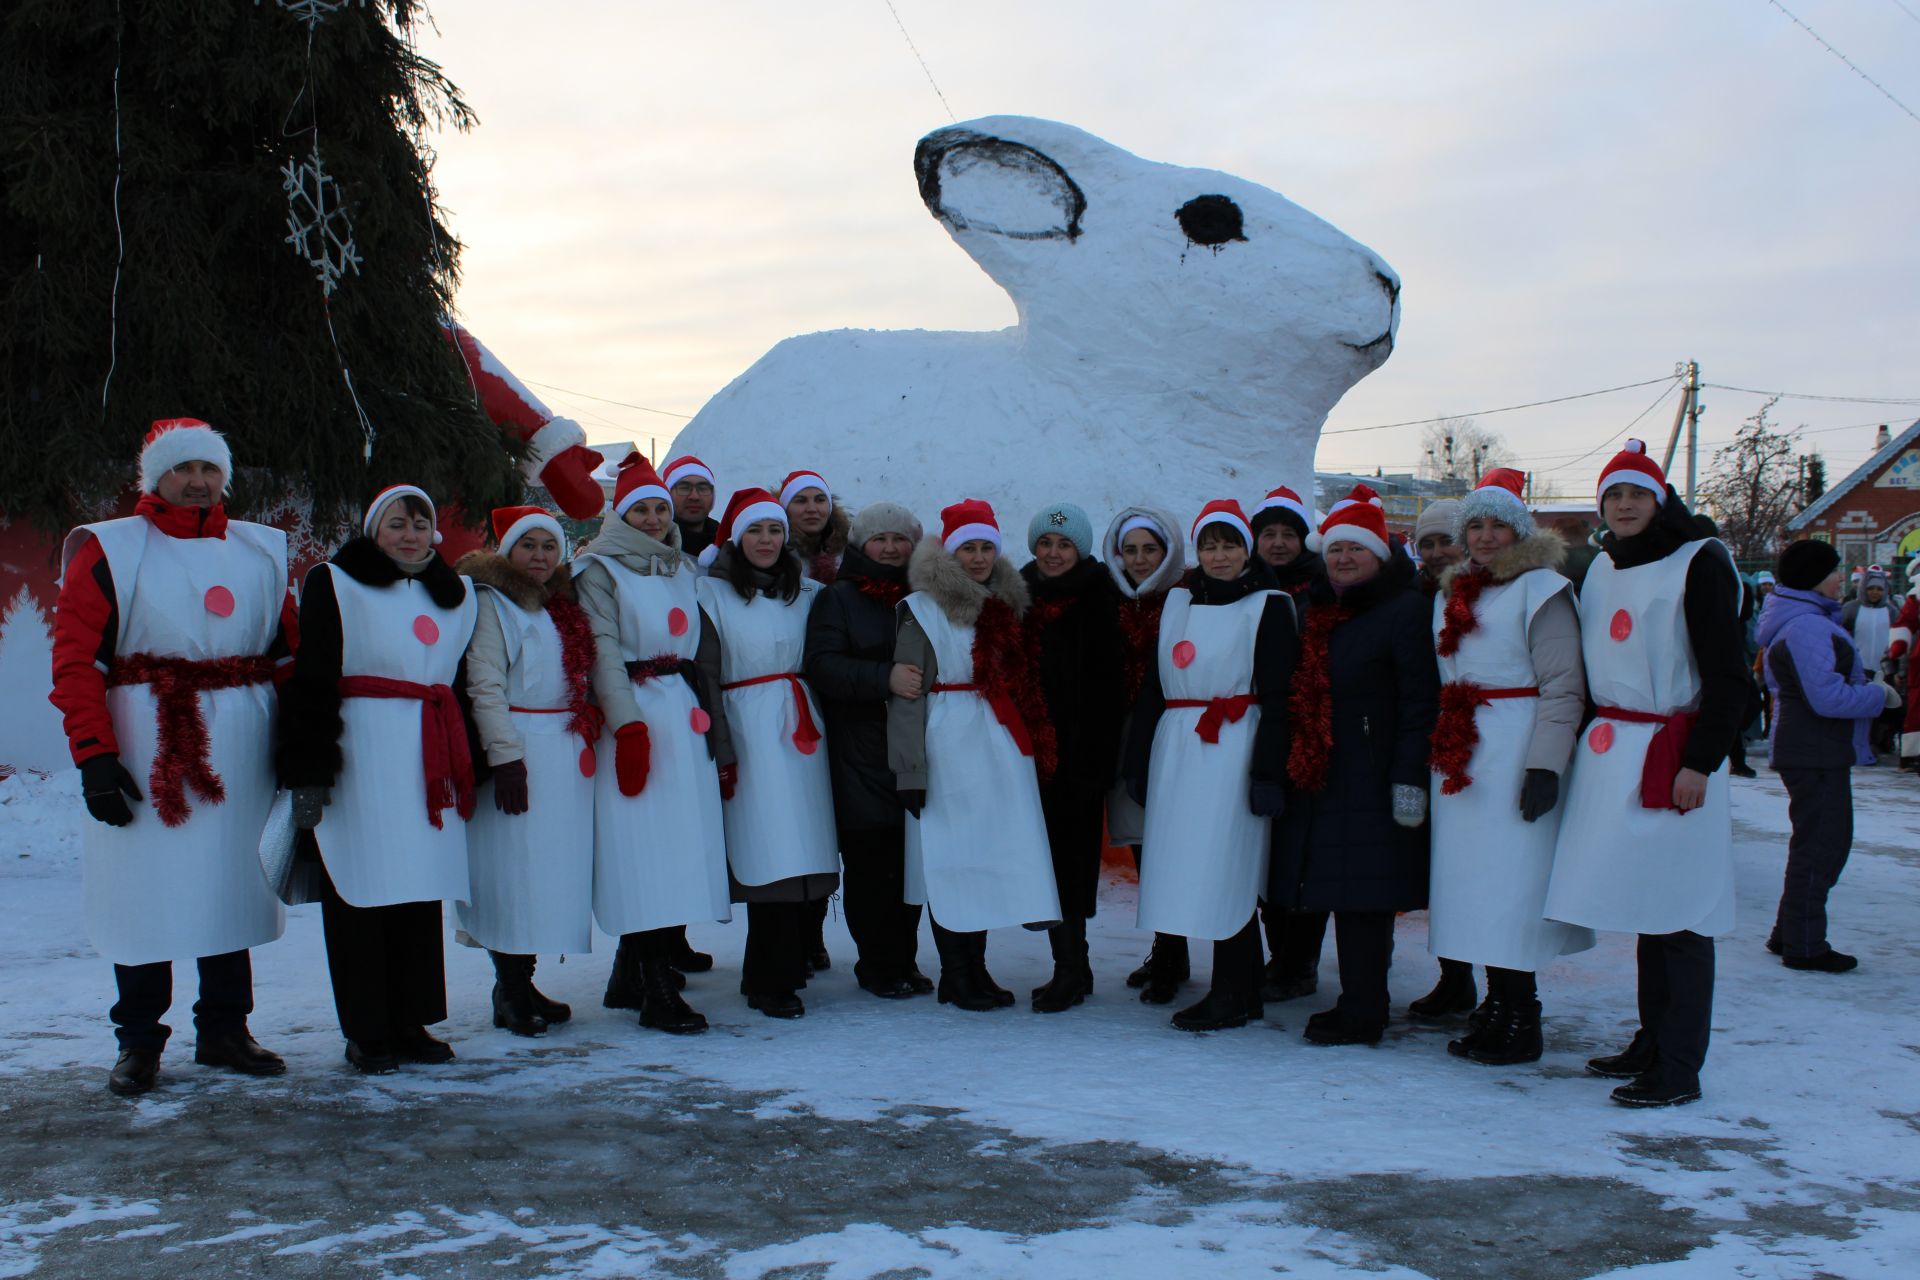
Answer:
[(1065, 519), (1806, 564), (877, 518)]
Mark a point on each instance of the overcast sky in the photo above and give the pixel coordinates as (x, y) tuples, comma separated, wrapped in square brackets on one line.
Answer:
[(1575, 195)]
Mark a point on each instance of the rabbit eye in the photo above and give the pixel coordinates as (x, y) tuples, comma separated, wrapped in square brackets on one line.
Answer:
[(1211, 221)]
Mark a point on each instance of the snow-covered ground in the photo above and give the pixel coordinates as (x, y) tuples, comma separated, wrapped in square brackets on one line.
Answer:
[(903, 1139)]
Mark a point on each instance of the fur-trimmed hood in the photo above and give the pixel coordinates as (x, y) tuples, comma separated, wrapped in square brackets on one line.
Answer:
[(1544, 550), (491, 569), (831, 540), (934, 571), (1163, 579), (618, 540)]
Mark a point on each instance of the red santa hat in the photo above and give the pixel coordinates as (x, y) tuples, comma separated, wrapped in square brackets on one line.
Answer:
[(966, 520), (744, 509), (1632, 466), (1224, 511), (636, 480), (172, 441), (798, 482), (686, 467), (375, 509), (1357, 518), (1285, 499), (510, 524), (1499, 496)]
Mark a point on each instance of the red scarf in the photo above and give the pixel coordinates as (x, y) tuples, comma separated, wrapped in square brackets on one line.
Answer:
[(1004, 670), (1139, 630), (576, 661), (1311, 701)]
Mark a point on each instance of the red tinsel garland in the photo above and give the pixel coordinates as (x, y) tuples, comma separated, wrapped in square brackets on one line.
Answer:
[(1458, 619), (1004, 670), (181, 754), (576, 661), (1455, 734), (887, 591), (824, 567), (1311, 702), (1139, 630)]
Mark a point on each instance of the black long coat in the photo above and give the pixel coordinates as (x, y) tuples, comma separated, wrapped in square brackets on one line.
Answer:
[(1080, 667), (1339, 848), (849, 656)]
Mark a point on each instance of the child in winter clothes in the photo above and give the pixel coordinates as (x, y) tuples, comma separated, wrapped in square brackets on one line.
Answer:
[(1824, 701)]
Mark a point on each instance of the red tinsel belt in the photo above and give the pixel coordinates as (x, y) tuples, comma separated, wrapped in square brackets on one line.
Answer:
[(1004, 710), (1455, 732), (443, 739), (180, 757), (1664, 750), (806, 737), (1218, 711)]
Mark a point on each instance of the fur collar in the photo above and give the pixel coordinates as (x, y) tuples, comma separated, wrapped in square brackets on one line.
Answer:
[(934, 571), (1544, 550), (491, 569), (363, 561), (830, 541)]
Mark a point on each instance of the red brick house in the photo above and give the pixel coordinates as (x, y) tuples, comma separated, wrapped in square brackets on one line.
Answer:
[(1872, 516)]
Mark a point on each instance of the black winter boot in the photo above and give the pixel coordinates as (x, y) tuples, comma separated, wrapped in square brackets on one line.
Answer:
[(1511, 1036), (1219, 1011), (1168, 958), (1072, 979), (623, 981), (554, 1011), (1630, 1062), (818, 961), (1490, 1012), (683, 957), (962, 970), (1453, 994), (513, 1006), (1661, 1085), (661, 1006)]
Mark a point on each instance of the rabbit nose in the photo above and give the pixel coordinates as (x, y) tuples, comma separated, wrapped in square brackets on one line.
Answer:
[(1211, 221)]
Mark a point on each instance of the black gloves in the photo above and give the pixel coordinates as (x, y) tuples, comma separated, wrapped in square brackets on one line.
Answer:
[(1539, 793), (1268, 800), (913, 801), (510, 787), (107, 786)]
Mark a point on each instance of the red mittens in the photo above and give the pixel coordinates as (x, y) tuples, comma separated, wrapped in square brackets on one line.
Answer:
[(632, 757)]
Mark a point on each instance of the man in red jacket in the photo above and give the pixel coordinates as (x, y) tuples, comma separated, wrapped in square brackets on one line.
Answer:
[(1900, 642), (170, 627)]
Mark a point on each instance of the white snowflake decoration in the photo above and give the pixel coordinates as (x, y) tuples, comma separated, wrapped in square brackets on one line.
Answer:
[(312, 12), (317, 222)]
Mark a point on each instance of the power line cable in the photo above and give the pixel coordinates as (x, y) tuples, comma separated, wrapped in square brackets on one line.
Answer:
[(1481, 413), (1808, 395), (665, 413), (1903, 8), (915, 50), (1844, 58), (1665, 392)]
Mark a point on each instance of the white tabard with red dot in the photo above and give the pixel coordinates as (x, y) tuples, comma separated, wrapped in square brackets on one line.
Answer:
[(1618, 865)]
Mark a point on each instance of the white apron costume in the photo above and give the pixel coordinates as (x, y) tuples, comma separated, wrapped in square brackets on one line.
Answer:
[(1203, 862), (977, 856), (659, 858), (374, 838), (1620, 866), (779, 823), (1871, 634), (532, 873), (1491, 866), (154, 892)]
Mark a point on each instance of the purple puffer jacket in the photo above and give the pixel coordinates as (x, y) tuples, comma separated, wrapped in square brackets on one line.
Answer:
[(1822, 699)]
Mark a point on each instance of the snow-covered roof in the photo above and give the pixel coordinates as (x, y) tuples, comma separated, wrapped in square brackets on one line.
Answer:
[(1887, 453)]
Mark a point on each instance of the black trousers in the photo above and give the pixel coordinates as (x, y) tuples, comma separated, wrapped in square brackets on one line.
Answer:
[(389, 973), (1364, 942), (1820, 807), (1075, 817), (146, 992), (779, 935), (1515, 986), (1236, 965), (1294, 940), (959, 951), (1676, 996), (885, 928)]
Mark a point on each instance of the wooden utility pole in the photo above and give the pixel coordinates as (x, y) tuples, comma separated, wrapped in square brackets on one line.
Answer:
[(1687, 414)]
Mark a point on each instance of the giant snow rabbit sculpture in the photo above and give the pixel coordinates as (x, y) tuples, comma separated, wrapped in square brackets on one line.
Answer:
[(1182, 335)]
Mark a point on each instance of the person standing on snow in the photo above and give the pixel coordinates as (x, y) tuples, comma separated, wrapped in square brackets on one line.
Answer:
[(782, 857), (530, 843), (1073, 625), (1512, 695), (969, 758), (1206, 756), (850, 665), (1868, 618), (1824, 698), (169, 626), (1660, 635), (1281, 534), (1146, 558), (373, 745), (665, 757), (1903, 671), (1354, 838)]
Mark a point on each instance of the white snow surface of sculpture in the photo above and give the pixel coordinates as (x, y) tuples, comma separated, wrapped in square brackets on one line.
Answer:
[(1182, 335)]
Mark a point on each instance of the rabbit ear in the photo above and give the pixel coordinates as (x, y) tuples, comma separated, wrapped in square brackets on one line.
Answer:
[(971, 181)]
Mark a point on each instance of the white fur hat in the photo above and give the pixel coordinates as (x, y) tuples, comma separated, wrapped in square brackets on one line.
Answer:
[(172, 441)]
